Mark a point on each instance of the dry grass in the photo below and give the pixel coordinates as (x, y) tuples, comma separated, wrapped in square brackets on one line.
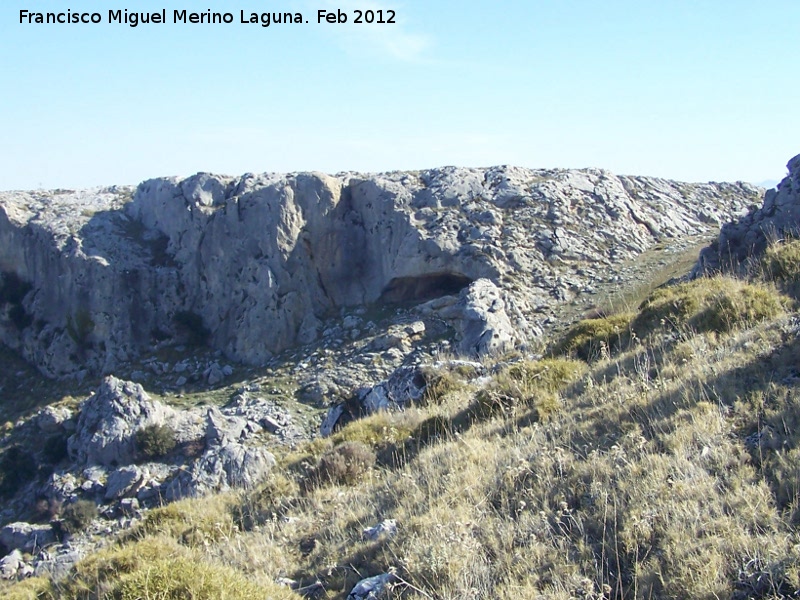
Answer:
[(716, 304), (590, 338), (669, 468)]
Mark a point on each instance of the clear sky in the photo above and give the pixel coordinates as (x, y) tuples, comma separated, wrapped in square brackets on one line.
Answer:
[(694, 90)]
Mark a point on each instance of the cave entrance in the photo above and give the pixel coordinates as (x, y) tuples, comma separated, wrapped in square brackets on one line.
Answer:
[(423, 287)]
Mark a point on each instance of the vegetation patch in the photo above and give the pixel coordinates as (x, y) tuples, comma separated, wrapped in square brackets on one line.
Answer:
[(715, 304), (591, 338), (77, 516), (441, 382), (194, 523), (159, 568), (155, 441), (528, 384), (344, 464)]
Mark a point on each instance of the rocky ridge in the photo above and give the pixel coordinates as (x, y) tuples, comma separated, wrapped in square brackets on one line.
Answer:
[(254, 265), (777, 217)]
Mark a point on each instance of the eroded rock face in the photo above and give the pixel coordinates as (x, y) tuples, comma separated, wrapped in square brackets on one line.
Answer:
[(90, 279), (778, 215)]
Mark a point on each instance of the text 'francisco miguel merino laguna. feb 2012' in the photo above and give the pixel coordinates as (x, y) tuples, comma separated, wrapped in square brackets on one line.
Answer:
[(208, 17)]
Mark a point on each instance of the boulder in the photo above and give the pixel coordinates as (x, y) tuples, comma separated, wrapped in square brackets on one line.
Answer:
[(26, 537), (387, 528), (372, 588), (52, 420), (125, 482), (220, 427), (480, 320), (12, 565), (224, 466), (108, 421)]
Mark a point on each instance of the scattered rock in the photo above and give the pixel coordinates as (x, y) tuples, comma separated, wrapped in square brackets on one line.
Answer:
[(13, 566), (125, 482), (222, 467), (372, 588), (387, 528), (26, 537), (128, 506), (51, 420), (59, 564)]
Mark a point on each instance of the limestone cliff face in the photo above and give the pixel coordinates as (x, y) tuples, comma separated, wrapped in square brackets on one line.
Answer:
[(92, 278), (779, 215)]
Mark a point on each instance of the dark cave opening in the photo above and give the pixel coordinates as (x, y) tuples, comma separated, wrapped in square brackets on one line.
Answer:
[(424, 287)]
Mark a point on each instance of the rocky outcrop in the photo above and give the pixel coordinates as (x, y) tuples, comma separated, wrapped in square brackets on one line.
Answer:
[(26, 537), (479, 318), (252, 265), (778, 216), (109, 420), (224, 466)]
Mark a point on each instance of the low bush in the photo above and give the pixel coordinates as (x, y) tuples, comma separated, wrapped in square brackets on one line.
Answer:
[(154, 441), (534, 384), (77, 516), (439, 383), (344, 464), (159, 568), (781, 261), (194, 522)]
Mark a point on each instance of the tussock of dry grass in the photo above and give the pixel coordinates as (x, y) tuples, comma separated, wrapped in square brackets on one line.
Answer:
[(589, 338), (717, 304)]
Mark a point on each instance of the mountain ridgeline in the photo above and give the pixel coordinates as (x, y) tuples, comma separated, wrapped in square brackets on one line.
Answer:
[(250, 265)]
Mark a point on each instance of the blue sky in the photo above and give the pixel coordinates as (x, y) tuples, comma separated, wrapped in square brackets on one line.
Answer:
[(692, 90)]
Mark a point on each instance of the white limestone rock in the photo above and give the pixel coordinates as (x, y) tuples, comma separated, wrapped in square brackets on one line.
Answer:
[(108, 421), (253, 264), (777, 217)]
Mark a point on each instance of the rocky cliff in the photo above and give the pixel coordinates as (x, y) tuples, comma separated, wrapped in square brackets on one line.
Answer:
[(251, 265), (777, 217)]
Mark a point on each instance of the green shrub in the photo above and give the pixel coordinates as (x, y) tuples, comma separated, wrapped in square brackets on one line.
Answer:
[(715, 304), (587, 338), (344, 464), (78, 516), (154, 441)]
